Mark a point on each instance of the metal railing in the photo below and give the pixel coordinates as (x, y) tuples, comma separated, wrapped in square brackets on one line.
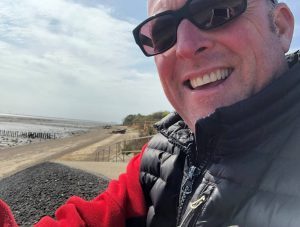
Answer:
[(119, 151)]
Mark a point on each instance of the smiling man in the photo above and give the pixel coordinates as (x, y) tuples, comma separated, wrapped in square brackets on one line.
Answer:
[(229, 155), (214, 59)]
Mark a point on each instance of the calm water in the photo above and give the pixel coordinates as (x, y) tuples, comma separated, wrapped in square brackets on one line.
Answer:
[(60, 127)]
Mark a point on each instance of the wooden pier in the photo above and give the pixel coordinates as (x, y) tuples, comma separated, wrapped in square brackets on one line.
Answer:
[(28, 134)]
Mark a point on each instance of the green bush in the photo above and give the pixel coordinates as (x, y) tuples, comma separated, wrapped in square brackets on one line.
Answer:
[(136, 119), (144, 123)]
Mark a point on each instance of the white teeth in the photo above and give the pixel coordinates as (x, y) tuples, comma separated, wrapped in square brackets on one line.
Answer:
[(213, 77), (219, 74), (206, 79)]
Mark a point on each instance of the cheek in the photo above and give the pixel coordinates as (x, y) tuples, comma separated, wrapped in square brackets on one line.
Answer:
[(166, 67), (168, 73), (172, 89), (166, 62)]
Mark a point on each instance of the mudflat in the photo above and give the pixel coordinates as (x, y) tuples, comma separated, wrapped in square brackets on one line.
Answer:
[(15, 159)]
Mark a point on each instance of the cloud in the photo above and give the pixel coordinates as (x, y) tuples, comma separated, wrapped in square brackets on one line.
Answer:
[(71, 60), (87, 3), (76, 59)]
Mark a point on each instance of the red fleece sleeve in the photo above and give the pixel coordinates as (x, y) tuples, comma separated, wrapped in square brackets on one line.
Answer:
[(6, 217), (122, 200)]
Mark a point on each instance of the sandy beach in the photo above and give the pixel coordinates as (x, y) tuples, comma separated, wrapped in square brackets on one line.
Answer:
[(65, 151)]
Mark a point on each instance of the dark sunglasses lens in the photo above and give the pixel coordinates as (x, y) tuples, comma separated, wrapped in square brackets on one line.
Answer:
[(158, 34), (209, 14)]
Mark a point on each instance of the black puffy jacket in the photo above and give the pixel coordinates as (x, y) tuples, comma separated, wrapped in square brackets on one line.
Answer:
[(240, 168)]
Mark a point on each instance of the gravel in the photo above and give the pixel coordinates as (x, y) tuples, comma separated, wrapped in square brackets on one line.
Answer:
[(41, 189)]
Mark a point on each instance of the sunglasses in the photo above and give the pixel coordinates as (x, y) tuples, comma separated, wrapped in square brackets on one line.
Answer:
[(158, 33)]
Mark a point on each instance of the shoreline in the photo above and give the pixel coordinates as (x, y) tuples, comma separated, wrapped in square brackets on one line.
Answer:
[(18, 130), (15, 159)]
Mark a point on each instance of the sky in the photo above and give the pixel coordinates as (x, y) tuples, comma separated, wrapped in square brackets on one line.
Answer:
[(77, 59)]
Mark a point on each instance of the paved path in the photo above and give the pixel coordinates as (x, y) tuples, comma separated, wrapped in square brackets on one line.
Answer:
[(110, 170)]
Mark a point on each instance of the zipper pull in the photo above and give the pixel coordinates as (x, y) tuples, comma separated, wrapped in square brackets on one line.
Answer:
[(198, 202), (193, 205), (190, 217), (204, 196)]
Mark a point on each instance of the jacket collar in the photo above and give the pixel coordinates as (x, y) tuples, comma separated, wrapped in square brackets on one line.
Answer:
[(176, 130)]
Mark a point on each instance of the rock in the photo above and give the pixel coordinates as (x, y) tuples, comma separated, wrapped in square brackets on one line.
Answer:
[(41, 189)]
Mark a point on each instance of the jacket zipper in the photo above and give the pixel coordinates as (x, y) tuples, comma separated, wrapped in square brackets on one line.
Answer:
[(197, 166), (196, 205), (187, 187), (193, 207)]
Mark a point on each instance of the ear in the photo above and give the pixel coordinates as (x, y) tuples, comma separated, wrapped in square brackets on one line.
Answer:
[(284, 24)]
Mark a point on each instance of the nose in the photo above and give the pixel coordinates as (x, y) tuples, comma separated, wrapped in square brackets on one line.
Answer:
[(191, 41)]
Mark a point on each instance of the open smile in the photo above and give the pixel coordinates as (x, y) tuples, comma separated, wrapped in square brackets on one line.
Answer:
[(210, 79)]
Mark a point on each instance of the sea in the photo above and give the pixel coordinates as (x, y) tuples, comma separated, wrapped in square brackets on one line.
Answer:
[(24, 129)]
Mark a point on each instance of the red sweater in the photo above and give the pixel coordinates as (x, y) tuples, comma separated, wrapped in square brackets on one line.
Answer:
[(122, 201), (6, 217)]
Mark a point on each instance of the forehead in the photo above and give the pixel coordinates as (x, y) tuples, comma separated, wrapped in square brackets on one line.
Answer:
[(157, 6)]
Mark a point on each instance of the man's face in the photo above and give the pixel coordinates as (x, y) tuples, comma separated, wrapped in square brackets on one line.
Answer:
[(246, 53)]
